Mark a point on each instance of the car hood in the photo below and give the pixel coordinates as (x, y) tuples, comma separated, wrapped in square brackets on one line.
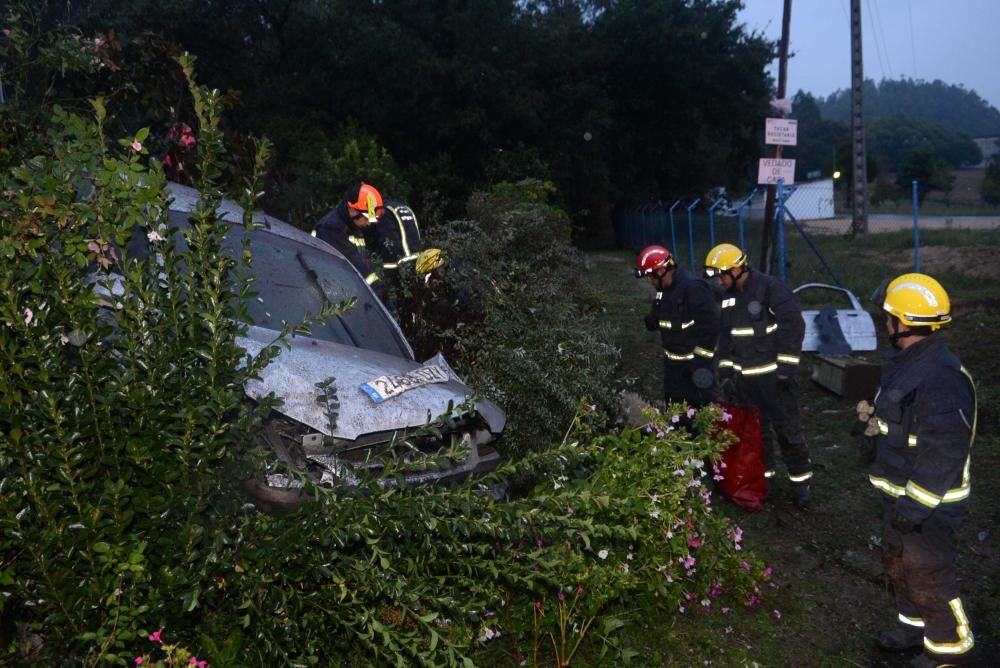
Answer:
[(293, 376)]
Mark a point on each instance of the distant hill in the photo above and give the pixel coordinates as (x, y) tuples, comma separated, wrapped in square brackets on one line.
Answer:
[(952, 107)]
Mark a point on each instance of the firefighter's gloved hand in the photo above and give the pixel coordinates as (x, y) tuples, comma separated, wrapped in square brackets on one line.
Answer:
[(727, 386), (652, 322), (904, 524)]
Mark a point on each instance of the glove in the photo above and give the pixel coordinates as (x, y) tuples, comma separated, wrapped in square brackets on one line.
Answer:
[(727, 387), (866, 424), (652, 322), (904, 524)]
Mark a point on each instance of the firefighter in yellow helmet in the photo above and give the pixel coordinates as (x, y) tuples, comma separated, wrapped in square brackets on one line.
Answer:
[(760, 340), (925, 411)]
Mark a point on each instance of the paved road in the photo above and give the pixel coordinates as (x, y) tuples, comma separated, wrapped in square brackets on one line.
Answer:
[(882, 223)]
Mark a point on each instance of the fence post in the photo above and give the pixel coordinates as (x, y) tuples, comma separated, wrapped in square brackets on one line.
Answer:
[(743, 206), (673, 232), (711, 222), (661, 218), (779, 228), (691, 230), (916, 229)]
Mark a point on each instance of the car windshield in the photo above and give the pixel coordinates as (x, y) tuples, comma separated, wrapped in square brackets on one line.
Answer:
[(292, 280)]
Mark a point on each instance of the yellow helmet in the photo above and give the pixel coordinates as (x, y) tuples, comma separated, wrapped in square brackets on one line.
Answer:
[(723, 258), (428, 260), (918, 301)]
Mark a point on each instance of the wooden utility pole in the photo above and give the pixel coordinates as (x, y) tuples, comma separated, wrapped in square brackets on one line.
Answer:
[(769, 206), (859, 178)]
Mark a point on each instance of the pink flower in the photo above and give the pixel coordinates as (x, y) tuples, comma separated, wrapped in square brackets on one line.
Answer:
[(562, 596), (538, 542), (689, 562), (138, 659), (675, 419), (569, 510), (6, 32), (579, 589), (726, 417), (136, 146), (155, 636), (538, 605), (690, 413), (680, 609), (768, 571), (694, 542), (29, 315), (746, 565)]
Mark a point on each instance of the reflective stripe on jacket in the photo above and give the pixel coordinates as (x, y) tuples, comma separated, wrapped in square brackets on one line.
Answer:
[(688, 319), (761, 327), (926, 414), (397, 235)]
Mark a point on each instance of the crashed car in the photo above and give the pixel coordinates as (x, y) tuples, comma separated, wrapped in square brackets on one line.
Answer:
[(385, 396)]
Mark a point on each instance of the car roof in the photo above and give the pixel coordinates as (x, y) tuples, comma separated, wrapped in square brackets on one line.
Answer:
[(185, 198)]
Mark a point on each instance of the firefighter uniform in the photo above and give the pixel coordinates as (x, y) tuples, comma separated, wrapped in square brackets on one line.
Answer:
[(397, 236), (926, 415), (687, 317), (336, 229), (760, 340)]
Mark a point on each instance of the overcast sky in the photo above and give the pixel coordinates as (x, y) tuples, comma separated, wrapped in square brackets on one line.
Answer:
[(956, 41)]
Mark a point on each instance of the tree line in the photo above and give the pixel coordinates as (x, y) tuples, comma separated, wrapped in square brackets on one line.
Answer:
[(612, 100)]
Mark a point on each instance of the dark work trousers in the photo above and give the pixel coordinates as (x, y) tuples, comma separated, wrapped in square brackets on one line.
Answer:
[(921, 567), (778, 401), (679, 383)]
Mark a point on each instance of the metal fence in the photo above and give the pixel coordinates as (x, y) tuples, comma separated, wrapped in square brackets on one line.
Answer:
[(809, 232)]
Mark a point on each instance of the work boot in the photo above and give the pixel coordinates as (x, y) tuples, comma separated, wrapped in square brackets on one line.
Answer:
[(901, 638), (926, 661), (801, 496)]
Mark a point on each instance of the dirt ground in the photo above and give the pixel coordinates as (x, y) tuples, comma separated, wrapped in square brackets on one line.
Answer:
[(974, 261)]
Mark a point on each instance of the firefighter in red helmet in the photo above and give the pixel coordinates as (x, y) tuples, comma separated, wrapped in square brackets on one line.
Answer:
[(344, 228), (687, 317)]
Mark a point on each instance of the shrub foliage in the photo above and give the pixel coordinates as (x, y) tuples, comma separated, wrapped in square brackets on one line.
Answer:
[(125, 433)]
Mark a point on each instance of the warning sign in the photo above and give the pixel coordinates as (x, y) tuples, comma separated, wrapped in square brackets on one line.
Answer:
[(783, 131), (772, 169)]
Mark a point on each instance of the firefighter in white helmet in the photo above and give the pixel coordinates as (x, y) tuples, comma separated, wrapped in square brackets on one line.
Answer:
[(925, 412)]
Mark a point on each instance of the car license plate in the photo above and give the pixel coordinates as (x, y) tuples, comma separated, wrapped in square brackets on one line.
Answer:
[(386, 387)]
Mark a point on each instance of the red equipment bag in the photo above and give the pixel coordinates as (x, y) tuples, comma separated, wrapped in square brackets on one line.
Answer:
[(742, 465)]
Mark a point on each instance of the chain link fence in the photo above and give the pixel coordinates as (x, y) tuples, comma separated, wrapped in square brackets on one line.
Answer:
[(810, 238)]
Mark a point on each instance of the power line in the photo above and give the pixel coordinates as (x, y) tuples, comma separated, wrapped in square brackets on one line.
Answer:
[(913, 44), (885, 42)]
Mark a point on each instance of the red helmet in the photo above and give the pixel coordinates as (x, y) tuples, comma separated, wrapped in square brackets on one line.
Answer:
[(368, 202), (652, 258)]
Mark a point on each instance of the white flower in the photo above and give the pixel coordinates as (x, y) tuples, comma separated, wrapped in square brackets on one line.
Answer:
[(655, 514), (29, 315), (603, 554), (153, 235)]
